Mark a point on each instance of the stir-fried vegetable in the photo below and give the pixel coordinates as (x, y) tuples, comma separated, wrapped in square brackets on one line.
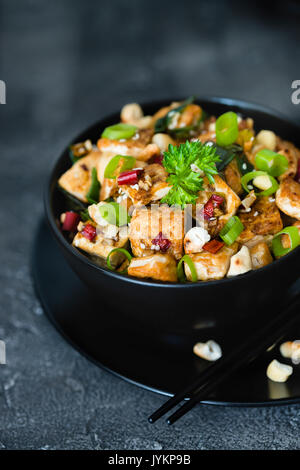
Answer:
[(180, 271), (89, 232), (277, 246), (129, 177), (118, 250), (79, 150), (273, 163), (234, 227), (120, 163), (114, 213), (93, 193), (254, 174), (227, 129), (213, 246), (186, 183), (162, 124), (119, 131), (71, 221), (227, 154), (232, 230)]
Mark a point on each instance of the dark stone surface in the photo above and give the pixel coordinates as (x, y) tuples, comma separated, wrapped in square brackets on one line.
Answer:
[(66, 64)]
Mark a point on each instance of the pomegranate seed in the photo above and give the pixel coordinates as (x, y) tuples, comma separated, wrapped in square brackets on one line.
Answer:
[(89, 232), (213, 246), (163, 243), (129, 177), (298, 172), (71, 221), (158, 159)]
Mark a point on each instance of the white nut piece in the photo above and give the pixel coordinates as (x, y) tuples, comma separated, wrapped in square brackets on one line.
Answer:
[(267, 139), (262, 182), (249, 200), (210, 351), (162, 141), (291, 350), (194, 239), (131, 112), (240, 263), (278, 372), (144, 122)]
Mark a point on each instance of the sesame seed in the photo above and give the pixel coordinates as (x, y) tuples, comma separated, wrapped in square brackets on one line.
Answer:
[(244, 166), (272, 199), (255, 214), (142, 246)]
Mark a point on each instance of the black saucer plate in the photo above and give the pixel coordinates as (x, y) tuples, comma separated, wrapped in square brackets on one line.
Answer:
[(157, 362)]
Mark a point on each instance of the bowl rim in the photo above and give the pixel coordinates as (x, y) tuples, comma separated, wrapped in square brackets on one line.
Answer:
[(150, 282)]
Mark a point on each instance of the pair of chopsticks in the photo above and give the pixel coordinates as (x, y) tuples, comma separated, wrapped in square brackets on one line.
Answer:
[(208, 380)]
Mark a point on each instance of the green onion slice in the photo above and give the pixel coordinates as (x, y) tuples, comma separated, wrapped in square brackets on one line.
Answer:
[(93, 193), (180, 272), (119, 131), (120, 250), (227, 129), (273, 163), (253, 174), (127, 164), (231, 230), (277, 247), (114, 213)]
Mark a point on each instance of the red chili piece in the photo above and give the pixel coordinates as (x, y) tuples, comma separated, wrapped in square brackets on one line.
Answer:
[(214, 201), (163, 243), (129, 177), (158, 159), (71, 221), (89, 232), (213, 246)]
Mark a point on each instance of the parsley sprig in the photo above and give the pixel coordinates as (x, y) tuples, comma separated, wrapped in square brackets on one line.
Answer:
[(186, 183)]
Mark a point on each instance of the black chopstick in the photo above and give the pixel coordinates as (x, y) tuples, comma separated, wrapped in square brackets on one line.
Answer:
[(255, 344)]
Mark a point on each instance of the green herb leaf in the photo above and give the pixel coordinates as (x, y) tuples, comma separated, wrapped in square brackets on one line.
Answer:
[(93, 193), (186, 183)]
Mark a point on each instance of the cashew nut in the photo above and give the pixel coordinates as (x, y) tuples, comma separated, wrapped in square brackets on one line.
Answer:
[(267, 139), (211, 351), (162, 141), (279, 372), (291, 350)]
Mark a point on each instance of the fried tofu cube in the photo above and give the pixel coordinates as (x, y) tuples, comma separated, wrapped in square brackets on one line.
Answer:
[(288, 197), (161, 267), (139, 146), (147, 223), (77, 180), (109, 186), (233, 177), (240, 263), (232, 202), (211, 266), (260, 255), (263, 219), (152, 186), (100, 247)]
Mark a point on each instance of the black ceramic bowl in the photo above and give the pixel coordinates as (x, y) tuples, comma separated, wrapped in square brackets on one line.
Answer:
[(182, 307)]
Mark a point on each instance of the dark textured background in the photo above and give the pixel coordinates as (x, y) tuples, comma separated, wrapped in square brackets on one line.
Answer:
[(66, 64)]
